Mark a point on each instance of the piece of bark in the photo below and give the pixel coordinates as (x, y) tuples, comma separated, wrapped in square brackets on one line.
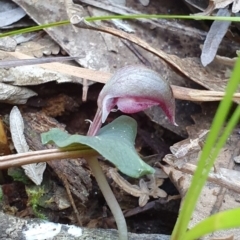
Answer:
[(12, 228)]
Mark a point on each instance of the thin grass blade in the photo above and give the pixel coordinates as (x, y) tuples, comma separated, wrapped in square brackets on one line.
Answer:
[(206, 159), (223, 220)]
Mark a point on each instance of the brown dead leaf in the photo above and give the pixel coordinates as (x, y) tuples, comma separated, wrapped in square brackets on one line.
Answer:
[(212, 77), (224, 3), (220, 4), (88, 44), (143, 191), (35, 170), (31, 75), (13, 94), (191, 145), (10, 13), (94, 223), (4, 145), (205, 12), (76, 73), (8, 44), (39, 47), (59, 104)]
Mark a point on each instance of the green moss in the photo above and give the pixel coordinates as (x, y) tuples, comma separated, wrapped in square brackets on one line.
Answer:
[(35, 193)]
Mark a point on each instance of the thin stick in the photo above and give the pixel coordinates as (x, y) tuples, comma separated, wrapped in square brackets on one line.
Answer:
[(66, 185), (20, 159), (199, 95)]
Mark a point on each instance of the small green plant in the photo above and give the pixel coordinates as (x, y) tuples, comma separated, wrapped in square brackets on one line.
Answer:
[(34, 195), (128, 101), (131, 89), (121, 133)]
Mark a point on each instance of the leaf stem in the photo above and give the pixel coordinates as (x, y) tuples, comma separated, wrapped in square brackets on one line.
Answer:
[(109, 197)]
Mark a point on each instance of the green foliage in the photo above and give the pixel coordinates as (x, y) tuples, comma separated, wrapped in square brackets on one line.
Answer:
[(35, 194), (115, 142)]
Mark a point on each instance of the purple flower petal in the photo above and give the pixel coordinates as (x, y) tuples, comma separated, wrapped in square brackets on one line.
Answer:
[(133, 89), (133, 104)]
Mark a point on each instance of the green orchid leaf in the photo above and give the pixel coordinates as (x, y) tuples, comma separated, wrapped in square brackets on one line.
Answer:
[(115, 142)]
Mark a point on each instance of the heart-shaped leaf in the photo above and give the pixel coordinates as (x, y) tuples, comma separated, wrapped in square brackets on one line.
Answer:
[(114, 142)]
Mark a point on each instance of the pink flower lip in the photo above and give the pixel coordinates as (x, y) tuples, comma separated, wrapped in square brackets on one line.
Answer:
[(132, 105)]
